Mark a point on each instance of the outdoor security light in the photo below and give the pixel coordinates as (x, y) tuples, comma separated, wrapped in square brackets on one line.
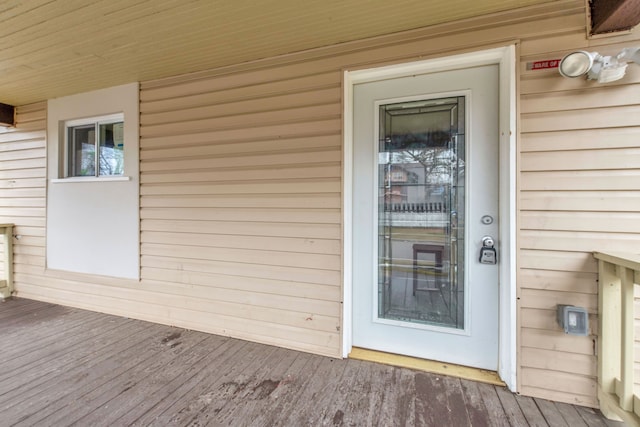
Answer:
[(604, 69), (577, 63)]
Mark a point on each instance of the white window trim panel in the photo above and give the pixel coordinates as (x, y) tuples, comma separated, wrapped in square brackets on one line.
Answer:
[(76, 179), (505, 57), (98, 119), (93, 226)]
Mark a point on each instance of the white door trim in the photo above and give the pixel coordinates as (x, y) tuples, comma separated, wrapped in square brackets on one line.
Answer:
[(505, 57)]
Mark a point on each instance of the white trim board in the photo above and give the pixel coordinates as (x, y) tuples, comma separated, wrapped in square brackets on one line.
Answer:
[(505, 57)]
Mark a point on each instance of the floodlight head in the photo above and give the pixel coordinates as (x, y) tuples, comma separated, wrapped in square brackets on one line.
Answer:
[(604, 69), (577, 63)]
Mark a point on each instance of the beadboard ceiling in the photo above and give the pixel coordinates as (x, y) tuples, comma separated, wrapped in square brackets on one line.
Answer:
[(52, 48)]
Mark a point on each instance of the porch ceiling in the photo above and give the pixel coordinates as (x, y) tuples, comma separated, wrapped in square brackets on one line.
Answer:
[(52, 48)]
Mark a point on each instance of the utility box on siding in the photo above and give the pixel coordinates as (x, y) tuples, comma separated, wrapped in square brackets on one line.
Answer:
[(574, 320)]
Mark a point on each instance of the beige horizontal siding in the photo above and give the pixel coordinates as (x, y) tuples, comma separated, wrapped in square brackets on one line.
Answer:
[(579, 168), (22, 184), (246, 206), (238, 254), (318, 142), (288, 274), (537, 261), (583, 201), (241, 192), (329, 231), (290, 201), (580, 180)]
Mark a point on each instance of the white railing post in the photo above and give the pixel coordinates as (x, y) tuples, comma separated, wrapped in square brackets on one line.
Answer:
[(6, 285), (626, 369), (609, 327), (618, 275)]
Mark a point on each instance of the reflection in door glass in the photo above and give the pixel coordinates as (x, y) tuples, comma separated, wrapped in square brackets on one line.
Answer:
[(421, 206)]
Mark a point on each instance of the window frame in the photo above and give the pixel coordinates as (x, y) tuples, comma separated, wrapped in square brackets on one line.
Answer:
[(96, 121)]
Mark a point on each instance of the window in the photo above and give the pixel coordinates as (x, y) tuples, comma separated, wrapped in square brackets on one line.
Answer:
[(95, 147)]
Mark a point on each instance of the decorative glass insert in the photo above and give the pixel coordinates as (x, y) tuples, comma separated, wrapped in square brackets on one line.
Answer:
[(421, 208)]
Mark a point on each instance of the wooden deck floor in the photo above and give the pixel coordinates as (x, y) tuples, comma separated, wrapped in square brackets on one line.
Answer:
[(63, 366)]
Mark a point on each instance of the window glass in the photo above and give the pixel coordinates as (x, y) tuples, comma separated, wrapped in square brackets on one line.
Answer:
[(82, 151), (95, 147), (111, 156)]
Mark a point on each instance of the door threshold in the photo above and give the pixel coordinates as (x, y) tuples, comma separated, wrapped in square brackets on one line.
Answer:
[(465, 372)]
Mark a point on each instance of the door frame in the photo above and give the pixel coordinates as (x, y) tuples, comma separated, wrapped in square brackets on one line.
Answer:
[(505, 58)]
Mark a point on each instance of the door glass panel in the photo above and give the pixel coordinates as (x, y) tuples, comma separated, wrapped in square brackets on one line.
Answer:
[(421, 207)]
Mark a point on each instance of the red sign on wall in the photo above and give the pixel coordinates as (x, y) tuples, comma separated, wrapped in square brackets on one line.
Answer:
[(543, 65)]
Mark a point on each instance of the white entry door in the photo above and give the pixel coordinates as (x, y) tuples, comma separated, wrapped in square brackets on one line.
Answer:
[(425, 194)]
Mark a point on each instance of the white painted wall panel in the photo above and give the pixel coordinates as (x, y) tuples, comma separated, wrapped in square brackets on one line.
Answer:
[(93, 227)]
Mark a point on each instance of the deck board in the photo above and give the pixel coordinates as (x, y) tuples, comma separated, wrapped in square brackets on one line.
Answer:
[(551, 414), (592, 417), (23, 306), (356, 405), (49, 363), (34, 348), (476, 409), (44, 328), (107, 388), (247, 396), (332, 401), (148, 389), (215, 379), (285, 398), (66, 366), (570, 415), (322, 380), (497, 414), (60, 391), (532, 413), (512, 410), (153, 405), (431, 401), (455, 401)]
